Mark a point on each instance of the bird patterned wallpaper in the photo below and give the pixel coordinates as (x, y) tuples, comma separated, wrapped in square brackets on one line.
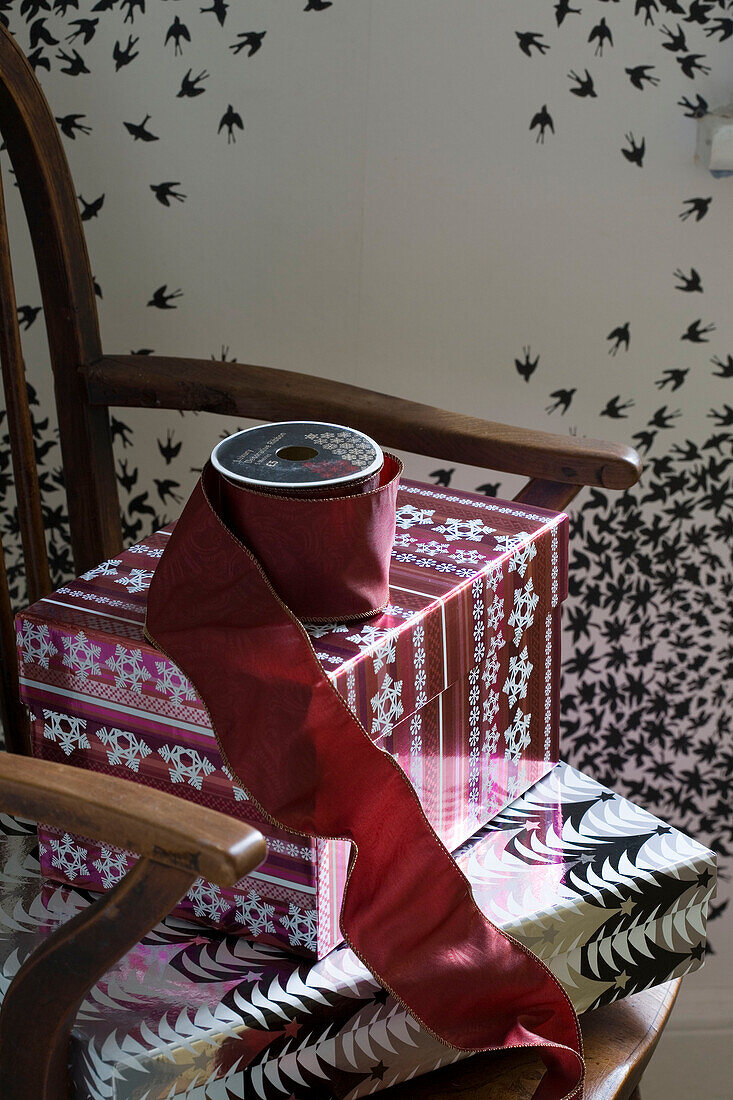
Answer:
[(491, 207)]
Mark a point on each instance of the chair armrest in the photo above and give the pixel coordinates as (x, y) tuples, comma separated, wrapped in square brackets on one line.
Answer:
[(263, 393), (150, 823)]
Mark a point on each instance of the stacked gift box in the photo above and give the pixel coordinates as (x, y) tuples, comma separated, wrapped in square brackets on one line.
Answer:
[(458, 680), (612, 899)]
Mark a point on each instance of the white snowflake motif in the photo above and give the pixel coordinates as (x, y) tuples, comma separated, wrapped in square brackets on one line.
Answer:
[(520, 560), (207, 900), (128, 667), (409, 516), (387, 705), (69, 856), (520, 668), (358, 451), (112, 866), (372, 637), (138, 580), (106, 569), (491, 740), (34, 641), (471, 530), (141, 548), (240, 795), (67, 730), (123, 747), (491, 707), (495, 613), (301, 925), (517, 737), (174, 684), (82, 656), (491, 670), (467, 557), (525, 602), (187, 766), (255, 914)]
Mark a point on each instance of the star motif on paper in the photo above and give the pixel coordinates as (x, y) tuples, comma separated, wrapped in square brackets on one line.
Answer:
[(662, 830), (606, 796), (627, 906), (530, 826), (621, 980), (698, 952), (378, 1071), (380, 997), (704, 878), (292, 1028)]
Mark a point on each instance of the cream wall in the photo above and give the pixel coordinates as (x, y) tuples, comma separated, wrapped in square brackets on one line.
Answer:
[(386, 217)]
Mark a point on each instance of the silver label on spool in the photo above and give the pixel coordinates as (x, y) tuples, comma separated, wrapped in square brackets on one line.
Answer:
[(298, 455)]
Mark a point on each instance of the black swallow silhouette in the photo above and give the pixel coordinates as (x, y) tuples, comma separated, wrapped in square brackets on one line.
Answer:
[(74, 65), (677, 42), (662, 418), (693, 110), (543, 121), (164, 192), (639, 76), (726, 369), (646, 6), (723, 419), (528, 39), (698, 207), (690, 64), (30, 8), (141, 351), (165, 489), (70, 126), (122, 57), (84, 27), (635, 155), (39, 35), (131, 531), (27, 315), (190, 85), (690, 283), (695, 334), (223, 357), (162, 300), (490, 489), (139, 132), (619, 336), (91, 209), (175, 33), (526, 367), (169, 450), (139, 505), (104, 5), (249, 40), (230, 119), (132, 6), (584, 85), (644, 440), (616, 411), (443, 477), (562, 400), (97, 288), (698, 12), (121, 431), (126, 478), (219, 8), (673, 378), (721, 27), (38, 60), (62, 6), (601, 34), (563, 9), (317, 5)]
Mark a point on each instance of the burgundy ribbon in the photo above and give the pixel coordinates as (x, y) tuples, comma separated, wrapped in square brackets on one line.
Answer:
[(290, 739)]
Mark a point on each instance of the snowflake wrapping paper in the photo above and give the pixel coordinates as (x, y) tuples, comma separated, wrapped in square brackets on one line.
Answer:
[(613, 900), (458, 680)]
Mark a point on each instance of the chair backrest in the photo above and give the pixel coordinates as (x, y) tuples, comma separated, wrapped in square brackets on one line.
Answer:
[(67, 289)]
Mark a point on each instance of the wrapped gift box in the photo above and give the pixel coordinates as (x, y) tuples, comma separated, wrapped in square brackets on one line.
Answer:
[(614, 901), (458, 679)]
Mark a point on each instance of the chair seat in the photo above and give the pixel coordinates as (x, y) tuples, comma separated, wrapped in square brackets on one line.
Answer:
[(168, 1020), (618, 1039)]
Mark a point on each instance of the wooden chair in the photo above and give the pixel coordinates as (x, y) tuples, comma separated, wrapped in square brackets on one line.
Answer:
[(87, 382)]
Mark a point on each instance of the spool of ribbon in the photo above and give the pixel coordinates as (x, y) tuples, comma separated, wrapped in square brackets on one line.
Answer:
[(223, 605)]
